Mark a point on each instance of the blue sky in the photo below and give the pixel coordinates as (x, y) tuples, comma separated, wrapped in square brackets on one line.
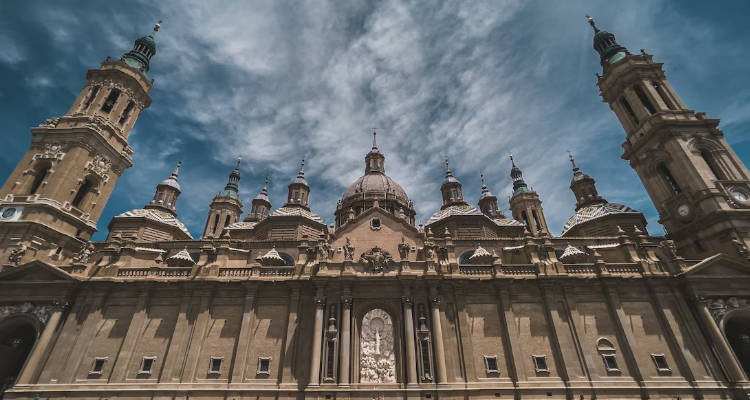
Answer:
[(275, 81)]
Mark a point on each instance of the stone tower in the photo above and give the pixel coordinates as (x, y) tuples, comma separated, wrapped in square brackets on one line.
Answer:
[(51, 202), (699, 186), (299, 190), (261, 205), (226, 206), (488, 202), (525, 204)]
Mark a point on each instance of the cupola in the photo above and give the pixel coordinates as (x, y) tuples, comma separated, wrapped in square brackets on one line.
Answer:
[(143, 50), (451, 189), (299, 190)]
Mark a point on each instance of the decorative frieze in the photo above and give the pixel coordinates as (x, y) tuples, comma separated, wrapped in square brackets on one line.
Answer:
[(720, 306), (51, 151), (41, 312)]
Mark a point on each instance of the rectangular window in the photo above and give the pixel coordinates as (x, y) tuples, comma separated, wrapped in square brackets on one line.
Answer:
[(111, 100), (644, 99), (214, 366), (264, 366), (661, 362), (126, 112), (540, 363), (490, 363), (610, 362), (629, 110), (147, 363), (92, 95), (98, 366)]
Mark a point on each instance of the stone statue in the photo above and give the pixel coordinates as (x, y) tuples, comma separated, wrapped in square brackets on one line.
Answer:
[(428, 250), (377, 258), (82, 257), (17, 254), (348, 250), (325, 251), (442, 253), (403, 249), (740, 246), (377, 362)]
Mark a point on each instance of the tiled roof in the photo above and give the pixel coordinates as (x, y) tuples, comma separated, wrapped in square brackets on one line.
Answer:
[(272, 258), (507, 222), (183, 255), (158, 216), (242, 225), (297, 211), (460, 209), (595, 211), (571, 251)]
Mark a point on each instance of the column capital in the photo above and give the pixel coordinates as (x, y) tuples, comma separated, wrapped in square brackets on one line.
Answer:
[(346, 302), (320, 301), (435, 300), (406, 300)]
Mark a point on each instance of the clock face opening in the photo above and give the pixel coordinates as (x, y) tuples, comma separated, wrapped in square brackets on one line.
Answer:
[(683, 210), (8, 212)]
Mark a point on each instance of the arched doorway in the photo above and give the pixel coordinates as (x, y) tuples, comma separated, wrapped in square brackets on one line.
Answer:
[(377, 352), (17, 338), (737, 329)]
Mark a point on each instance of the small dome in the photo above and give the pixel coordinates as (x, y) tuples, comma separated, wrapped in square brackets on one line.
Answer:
[(375, 184), (595, 211), (171, 182), (148, 42)]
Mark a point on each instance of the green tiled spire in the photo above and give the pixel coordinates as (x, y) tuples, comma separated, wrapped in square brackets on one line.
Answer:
[(143, 49), (232, 188), (605, 44), (519, 185)]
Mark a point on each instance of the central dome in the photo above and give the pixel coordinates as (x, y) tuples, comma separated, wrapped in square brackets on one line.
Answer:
[(374, 189), (375, 185)]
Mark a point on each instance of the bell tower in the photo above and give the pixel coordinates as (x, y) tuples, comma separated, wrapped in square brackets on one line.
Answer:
[(525, 204), (699, 186), (50, 204)]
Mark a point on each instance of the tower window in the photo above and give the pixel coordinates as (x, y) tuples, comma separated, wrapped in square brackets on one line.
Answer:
[(660, 90), (92, 95), (126, 112), (166, 198), (525, 220), (669, 178), (39, 178), (227, 221), (216, 223), (111, 100), (536, 220), (709, 159), (629, 110), (82, 192), (644, 99)]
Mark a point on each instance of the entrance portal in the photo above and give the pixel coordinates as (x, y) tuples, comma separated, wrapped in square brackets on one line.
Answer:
[(737, 329), (17, 337)]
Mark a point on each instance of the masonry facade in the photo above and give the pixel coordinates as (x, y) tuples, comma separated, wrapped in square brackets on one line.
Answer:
[(474, 304)]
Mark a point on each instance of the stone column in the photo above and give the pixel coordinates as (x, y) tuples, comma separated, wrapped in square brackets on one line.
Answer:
[(726, 355), (93, 314), (200, 326), (346, 332), (411, 362), (317, 342), (437, 335), (248, 315), (137, 323), (40, 348), (174, 359)]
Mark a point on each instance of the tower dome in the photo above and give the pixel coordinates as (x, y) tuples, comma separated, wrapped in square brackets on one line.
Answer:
[(374, 186)]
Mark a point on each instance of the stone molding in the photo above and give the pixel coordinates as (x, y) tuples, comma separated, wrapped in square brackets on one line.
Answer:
[(720, 306), (40, 312)]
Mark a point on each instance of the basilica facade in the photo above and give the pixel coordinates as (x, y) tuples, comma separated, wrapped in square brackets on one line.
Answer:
[(474, 304)]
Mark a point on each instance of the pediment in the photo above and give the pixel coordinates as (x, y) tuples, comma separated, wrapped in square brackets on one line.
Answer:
[(363, 236), (35, 271), (718, 266)]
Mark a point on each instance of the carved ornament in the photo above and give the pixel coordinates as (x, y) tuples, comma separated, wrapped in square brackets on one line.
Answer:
[(377, 258), (51, 151), (41, 313), (99, 166)]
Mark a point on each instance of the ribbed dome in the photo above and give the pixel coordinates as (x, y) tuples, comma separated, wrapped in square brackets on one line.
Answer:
[(375, 185)]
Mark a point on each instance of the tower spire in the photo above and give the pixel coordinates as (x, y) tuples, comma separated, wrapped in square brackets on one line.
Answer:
[(583, 186), (232, 188), (519, 185), (374, 140), (605, 44), (143, 50)]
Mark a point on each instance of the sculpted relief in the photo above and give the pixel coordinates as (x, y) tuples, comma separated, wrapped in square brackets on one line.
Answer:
[(377, 359)]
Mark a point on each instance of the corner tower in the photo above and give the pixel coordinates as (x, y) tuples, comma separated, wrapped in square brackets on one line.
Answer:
[(525, 204), (699, 186), (226, 207), (52, 201)]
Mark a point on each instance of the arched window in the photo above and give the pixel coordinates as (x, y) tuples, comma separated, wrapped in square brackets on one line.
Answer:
[(608, 352), (668, 178), (663, 95), (83, 190), (111, 100), (39, 178), (90, 98), (288, 260), (216, 223), (227, 221), (536, 220), (525, 220), (644, 99), (629, 110), (463, 259), (711, 162), (166, 198)]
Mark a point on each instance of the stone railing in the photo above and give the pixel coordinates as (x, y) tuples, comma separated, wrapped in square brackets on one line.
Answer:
[(168, 272), (482, 270), (518, 269), (276, 271), (623, 268), (235, 272), (580, 269)]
